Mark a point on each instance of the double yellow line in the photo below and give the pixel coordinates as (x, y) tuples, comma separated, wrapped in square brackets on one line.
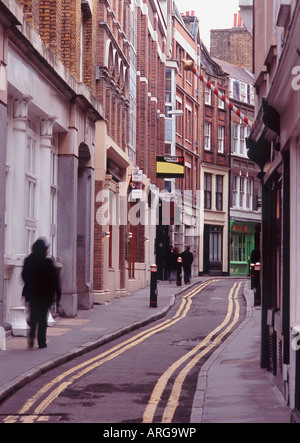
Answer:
[(196, 354), (48, 393)]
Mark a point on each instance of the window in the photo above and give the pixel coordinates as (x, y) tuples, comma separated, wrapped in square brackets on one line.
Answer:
[(243, 92), (240, 133), (235, 179), (221, 104), (167, 148), (168, 129), (177, 235), (207, 136), (196, 129), (30, 186), (180, 56), (188, 123), (53, 197), (207, 95), (207, 190), (215, 244), (30, 198), (242, 191), (242, 140), (219, 192), (180, 119), (249, 196), (189, 73), (188, 179), (236, 90), (250, 92), (168, 185), (221, 136), (168, 85), (238, 248), (235, 138), (30, 177)]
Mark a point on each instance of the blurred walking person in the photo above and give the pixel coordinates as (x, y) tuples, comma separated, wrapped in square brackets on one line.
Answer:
[(172, 263), (41, 289), (187, 260)]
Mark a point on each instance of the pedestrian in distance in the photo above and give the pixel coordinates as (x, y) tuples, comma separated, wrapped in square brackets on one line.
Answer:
[(187, 260), (41, 289), (172, 263)]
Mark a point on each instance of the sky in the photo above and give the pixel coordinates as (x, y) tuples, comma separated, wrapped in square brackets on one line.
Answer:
[(212, 14)]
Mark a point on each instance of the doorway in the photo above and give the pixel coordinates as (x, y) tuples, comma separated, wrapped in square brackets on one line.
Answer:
[(213, 249)]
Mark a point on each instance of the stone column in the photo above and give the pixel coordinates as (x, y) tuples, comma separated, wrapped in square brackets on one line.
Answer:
[(122, 218), (85, 229), (67, 220), (45, 174), (101, 293), (16, 315)]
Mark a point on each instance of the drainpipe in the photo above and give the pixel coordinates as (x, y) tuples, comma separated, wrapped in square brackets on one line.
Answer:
[(229, 189)]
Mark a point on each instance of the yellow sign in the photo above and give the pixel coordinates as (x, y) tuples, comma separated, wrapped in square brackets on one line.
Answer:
[(170, 167)]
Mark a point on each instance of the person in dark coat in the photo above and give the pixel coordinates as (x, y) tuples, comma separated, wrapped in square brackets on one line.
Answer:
[(187, 260), (172, 263), (41, 289)]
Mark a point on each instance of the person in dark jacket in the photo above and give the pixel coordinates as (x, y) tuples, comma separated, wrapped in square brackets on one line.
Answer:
[(41, 289), (187, 260), (172, 263)]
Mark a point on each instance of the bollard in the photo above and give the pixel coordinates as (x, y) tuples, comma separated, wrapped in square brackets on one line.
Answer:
[(252, 275), (257, 288), (153, 287), (179, 263), (255, 282)]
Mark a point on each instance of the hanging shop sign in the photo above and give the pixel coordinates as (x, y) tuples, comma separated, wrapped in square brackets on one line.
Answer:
[(137, 183), (170, 167)]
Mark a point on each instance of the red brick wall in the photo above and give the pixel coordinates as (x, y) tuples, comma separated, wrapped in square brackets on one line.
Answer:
[(233, 45), (150, 96), (59, 25), (217, 117), (31, 12)]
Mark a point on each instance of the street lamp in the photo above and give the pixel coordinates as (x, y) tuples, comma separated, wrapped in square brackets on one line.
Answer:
[(176, 113)]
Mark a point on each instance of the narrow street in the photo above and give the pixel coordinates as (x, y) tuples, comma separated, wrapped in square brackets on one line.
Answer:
[(147, 376)]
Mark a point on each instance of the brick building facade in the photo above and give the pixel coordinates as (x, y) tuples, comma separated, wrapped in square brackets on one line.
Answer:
[(103, 93), (234, 45), (151, 39), (214, 170), (245, 187), (186, 45), (112, 161)]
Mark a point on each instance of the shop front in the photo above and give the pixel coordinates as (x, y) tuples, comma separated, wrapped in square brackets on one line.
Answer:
[(242, 243)]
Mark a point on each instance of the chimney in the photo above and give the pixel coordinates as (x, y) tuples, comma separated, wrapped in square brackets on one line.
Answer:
[(235, 20), (239, 19)]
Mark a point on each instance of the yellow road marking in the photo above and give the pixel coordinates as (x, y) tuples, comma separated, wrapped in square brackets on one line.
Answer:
[(107, 355), (162, 382), (173, 401), (26, 419)]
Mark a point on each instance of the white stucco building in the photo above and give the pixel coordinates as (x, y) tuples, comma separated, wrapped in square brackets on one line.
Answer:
[(49, 169)]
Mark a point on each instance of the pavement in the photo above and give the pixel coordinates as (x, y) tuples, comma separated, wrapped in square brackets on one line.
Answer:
[(232, 388)]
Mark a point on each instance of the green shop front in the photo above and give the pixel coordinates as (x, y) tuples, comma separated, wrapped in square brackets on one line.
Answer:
[(242, 242)]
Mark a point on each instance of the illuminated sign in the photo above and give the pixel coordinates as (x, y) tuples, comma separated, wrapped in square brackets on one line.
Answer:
[(170, 167)]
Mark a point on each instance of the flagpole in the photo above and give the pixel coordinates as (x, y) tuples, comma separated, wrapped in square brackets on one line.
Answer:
[(188, 65)]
